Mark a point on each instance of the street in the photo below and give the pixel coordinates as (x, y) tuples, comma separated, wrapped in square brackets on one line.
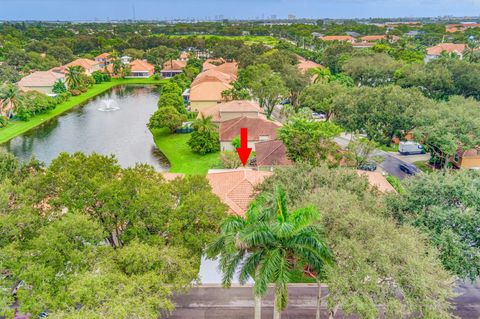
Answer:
[(214, 302)]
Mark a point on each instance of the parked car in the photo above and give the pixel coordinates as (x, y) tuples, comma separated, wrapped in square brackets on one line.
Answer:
[(409, 169), (369, 167), (410, 148)]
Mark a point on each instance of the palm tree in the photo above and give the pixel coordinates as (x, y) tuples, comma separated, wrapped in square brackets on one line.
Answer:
[(322, 75), (73, 76), (204, 124), (269, 245), (11, 96), (472, 52)]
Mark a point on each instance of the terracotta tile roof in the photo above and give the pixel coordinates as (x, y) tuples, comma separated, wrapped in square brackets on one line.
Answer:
[(471, 153), (102, 56), (209, 90), (212, 63), (304, 65), (84, 63), (236, 188), (40, 78), (184, 56), (376, 179), (271, 153), (238, 106), (174, 65), (213, 75), (337, 38), (141, 65), (230, 68), (373, 38), (256, 127), (447, 47)]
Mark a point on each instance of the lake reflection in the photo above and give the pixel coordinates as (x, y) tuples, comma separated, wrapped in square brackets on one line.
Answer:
[(87, 129)]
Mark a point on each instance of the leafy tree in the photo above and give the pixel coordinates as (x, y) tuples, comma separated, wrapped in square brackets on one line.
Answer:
[(372, 70), (101, 77), (377, 262), (266, 86), (362, 150), (310, 142), (447, 127), (3, 120), (319, 97), (167, 116), (443, 206), (101, 241), (295, 83), (382, 113), (59, 87), (172, 99), (8, 74), (205, 138), (334, 55), (269, 244)]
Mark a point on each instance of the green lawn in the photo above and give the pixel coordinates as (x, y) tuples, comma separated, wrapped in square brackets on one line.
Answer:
[(15, 128), (181, 158), (391, 148), (423, 166)]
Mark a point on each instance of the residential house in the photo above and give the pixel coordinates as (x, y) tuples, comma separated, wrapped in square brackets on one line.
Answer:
[(376, 38), (103, 59), (451, 48), (207, 88), (230, 110), (341, 38), (236, 188), (469, 159), (259, 130), (184, 56), (141, 69), (88, 65), (40, 81), (173, 67), (305, 65), (377, 180), (461, 27), (271, 153), (125, 59)]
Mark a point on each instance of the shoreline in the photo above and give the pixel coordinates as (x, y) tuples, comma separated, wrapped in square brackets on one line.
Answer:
[(16, 128)]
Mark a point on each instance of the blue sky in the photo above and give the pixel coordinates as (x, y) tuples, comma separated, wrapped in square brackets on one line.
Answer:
[(202, 9)]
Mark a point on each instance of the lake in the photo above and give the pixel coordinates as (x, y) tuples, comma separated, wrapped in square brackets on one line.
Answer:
[(112, 123)]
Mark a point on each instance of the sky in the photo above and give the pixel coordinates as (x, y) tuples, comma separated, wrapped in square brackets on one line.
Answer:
[(233, 9)]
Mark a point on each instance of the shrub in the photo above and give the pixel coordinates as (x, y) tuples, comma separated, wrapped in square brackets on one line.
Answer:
[(230, 160), (166, 117), (204, 142), (100, 77), (59, 87), (174, 100)]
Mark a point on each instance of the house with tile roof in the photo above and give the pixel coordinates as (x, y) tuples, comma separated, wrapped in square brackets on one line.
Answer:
[(341, 38), (376, 38), (103, 59), (141, 69), (451, 48), (469, 159), (377, 180), (40, 81), (460, 27), (207, 88), (259, 130), (230, 110), (271, 153), (173, 67), (89, 66), (236, 188)]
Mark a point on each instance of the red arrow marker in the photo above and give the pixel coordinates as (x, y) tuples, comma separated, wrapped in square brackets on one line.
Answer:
[(244, 151)]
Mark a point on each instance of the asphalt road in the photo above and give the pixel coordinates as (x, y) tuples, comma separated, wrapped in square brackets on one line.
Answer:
[(214, 302)]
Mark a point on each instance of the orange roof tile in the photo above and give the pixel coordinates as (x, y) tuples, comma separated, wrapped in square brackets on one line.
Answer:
[(40, 79), (209, 90), (376, 179), (337, 38), (141, 65), (271, 153), (174, 65), (87, 64), (229, 107), (103, 56), (256, 127), (446, 47), (236, 188)]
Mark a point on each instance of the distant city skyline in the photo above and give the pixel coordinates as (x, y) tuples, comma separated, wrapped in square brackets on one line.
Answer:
[(230, 9)]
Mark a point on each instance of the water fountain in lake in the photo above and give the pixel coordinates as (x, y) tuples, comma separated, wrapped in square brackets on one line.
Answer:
[(109, 105)]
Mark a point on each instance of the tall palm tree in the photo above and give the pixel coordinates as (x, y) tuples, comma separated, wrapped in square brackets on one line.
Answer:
[(73, 76), (204, 124), (11, 97), (472, 52), (269, 245), (322, 75)]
